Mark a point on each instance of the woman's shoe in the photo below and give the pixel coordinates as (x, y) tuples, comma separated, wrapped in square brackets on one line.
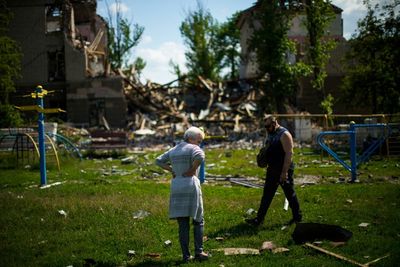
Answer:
[(202, 256), (187, 260)]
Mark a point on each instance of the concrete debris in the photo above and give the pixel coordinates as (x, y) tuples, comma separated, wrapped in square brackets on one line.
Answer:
[(131, 253), (153, 255), (128, 160), (280, 250), (267, 245), (140, 214), (250, 211), (239, 251), (50, 185), (63, 213)]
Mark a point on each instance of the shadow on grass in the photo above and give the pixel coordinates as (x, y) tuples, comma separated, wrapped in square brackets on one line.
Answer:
[(243, 229), (157, 263)]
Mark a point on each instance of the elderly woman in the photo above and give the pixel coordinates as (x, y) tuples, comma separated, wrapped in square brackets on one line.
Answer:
[(186, 200)]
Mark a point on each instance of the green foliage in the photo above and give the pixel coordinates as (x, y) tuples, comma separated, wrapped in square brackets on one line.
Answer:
[(228, 46), (319, 15), (139, 65), (373, 73), (9, 116), (327, 104), (327, 107), (121, 38), (10, 56), (198, 31), (273, 48)]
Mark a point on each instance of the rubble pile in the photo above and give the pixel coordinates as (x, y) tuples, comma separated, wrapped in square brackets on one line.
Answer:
[(165, 110)]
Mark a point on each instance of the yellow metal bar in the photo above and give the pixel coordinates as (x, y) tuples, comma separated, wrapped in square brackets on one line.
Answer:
[(26, 108), (34, 143), (40, 109)]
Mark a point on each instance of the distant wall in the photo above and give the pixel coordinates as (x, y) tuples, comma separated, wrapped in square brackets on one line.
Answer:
[(89, 101)]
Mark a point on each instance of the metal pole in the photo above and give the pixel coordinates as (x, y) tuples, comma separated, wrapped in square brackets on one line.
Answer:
[(42, 150), (353, 152)]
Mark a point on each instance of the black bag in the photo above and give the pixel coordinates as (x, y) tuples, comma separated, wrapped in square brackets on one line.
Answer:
[(262, 159), (308, 232)]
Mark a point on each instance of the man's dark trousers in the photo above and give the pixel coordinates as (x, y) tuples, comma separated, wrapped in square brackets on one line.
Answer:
[(270, 187)]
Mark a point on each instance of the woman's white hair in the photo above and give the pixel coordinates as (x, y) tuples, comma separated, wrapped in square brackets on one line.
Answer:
[(193, 132)]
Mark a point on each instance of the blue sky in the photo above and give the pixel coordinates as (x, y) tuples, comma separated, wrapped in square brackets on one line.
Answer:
[(161, 19)]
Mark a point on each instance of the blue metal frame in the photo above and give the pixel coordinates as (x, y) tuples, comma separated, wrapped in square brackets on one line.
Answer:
[(42, 150), (353, 149), (68, 144)]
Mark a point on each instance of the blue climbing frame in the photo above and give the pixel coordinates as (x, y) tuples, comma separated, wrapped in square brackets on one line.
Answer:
[(352, 133)]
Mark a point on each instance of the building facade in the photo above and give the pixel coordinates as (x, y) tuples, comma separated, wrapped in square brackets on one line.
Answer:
[(306, 97), (64, 47)]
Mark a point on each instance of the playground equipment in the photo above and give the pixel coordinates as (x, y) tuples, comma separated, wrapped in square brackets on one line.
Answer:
[(68, 145), (352, 133), (39, 94)]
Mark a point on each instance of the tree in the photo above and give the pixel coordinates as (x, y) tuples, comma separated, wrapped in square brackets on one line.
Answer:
[(121, 38), (198, 31), (373, 73), (272, 48), (319, 15), (10, 69), (228, 46), (10, 56), (139, 64)]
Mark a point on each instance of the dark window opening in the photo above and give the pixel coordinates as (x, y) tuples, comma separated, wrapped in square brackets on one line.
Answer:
[(56, 65)]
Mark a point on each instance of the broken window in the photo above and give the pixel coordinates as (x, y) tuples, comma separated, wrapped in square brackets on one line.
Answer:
[(56, 65), (53, 18)]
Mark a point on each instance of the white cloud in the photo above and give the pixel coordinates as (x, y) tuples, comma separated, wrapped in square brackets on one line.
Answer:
[(350, 6), (146, 39), (353, 10), (157, 61), (114, 7)]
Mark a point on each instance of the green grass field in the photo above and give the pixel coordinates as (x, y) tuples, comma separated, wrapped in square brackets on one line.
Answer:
[(101, 197)]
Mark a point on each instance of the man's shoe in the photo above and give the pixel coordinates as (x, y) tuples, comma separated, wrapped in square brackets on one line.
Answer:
[(202, 256), (254, 221)]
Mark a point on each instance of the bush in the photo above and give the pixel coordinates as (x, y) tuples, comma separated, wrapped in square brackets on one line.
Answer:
[(9, 117)]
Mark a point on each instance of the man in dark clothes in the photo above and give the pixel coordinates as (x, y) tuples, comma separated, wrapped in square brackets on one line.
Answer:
[(279, 171)]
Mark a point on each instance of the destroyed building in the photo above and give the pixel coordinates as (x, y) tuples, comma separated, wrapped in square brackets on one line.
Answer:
[(64, 48), (307, 99)]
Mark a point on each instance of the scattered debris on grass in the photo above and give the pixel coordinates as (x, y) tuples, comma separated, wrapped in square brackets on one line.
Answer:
[(63, 213), (131, 253), (280, 250), (239, 251), (250, 212), (140, 214), (153, 255), (50, 185), (267, 245), (363, 225), (343, 257)]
